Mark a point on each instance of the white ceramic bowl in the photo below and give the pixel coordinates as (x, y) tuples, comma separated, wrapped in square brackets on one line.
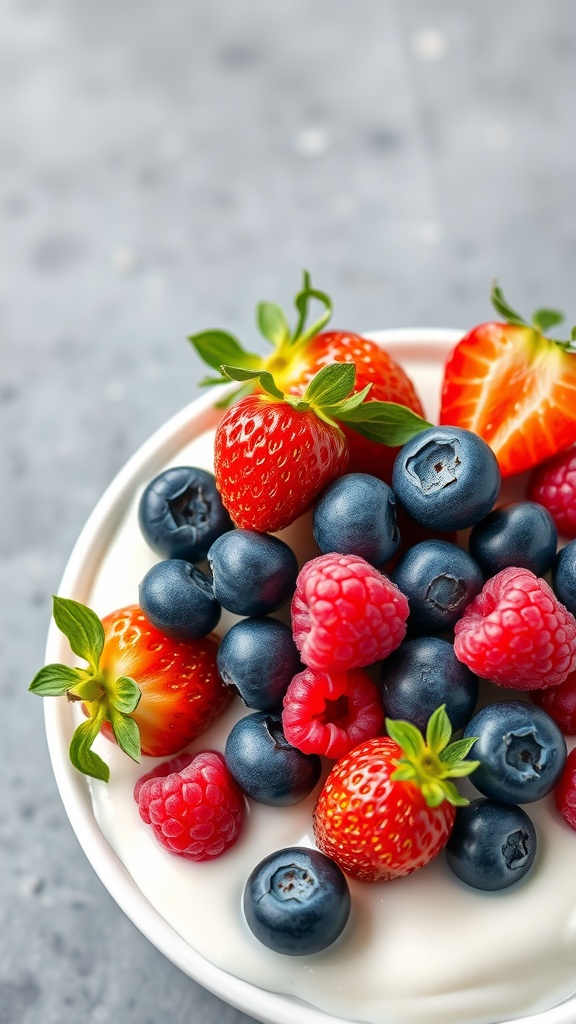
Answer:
[(421, 352)]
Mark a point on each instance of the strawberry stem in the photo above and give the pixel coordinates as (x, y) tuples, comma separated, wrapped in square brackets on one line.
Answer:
[(430, 763)]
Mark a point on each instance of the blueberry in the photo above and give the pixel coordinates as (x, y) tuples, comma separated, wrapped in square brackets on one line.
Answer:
[(356, 515), (297, 901), (264, 764), (258, 658), (521, 751), (178, 599), (181, 513), (446, 478), (564, 576), (439, 580), (253, 573), (522, 534), (421, 675), (492, 845)]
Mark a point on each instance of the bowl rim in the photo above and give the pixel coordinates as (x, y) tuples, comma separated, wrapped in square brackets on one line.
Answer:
[(266, 1006)]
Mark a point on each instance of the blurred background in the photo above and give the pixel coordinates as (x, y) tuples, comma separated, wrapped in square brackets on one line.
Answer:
[(165, 165)]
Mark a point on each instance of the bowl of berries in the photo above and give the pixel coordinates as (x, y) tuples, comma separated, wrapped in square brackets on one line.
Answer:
[(311, 680)]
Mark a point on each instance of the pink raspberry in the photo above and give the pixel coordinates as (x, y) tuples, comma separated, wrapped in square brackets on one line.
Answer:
[(516, 633), (565, 791), (346, 614), (560, 703), (553, 485), (194, 806), (331, 712)]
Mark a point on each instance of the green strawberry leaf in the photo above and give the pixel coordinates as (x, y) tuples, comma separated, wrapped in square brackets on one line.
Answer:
[(452, 795), (125, 695), (387, 422), (438, 730), (406, 736), (501, 306), (302, 303), (272, 323), (458, 750), (55, 680), (81, 755), (352, 401), (433, 793), (217, 347), (126, 733), (330, 385), (264, 378), (82, 627), (544, 319)]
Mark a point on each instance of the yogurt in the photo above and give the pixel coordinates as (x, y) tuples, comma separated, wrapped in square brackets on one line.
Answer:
[(424, 949)]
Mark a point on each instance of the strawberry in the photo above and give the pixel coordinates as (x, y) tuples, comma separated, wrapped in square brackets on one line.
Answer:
[(274, 453), (514, 387), (299, 355), (151, 694), (388, 807)]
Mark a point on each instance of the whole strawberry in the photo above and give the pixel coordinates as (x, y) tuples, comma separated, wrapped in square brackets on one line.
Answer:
[(297, 357), (151, 694), (514, 387), (274, 453), (388, 807)]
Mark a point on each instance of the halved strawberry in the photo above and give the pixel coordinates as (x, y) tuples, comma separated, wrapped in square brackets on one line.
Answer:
[(514, 387), (298, 356), (150, 693)]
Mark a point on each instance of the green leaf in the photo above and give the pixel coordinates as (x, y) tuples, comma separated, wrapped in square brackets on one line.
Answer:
[(350, 403), (208, 382), (438, 730), (407, 736), (462, 768), (458, 750), (433, 793), (82, 757), (126, 733), (302, 303), (272, 323), (124, 695), (544, 319), (55, 680), (501, 306), (264, 377), (330, 385), (217, 347), (387, 422), (405, 772), (82, 627), (452, 795)]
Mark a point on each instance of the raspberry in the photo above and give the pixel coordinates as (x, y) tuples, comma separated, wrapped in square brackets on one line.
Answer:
[(560, 703), (346, 614), (331, 712), (194, 806), (553, 485), (516, 633), (565, 792)]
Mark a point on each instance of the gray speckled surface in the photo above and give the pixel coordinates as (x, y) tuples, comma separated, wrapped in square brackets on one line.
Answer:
[(163, 165)]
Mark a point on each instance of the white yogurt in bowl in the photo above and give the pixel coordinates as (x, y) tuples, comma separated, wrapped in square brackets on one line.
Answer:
[(420, 950)]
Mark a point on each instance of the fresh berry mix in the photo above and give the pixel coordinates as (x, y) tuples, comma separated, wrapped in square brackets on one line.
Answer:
[(329, 713), (520, 749), (388, 807), (193, 805), (520, 534), (297, 901), (345, 614), (492, 845), (565, 792), (554, 486), (178, 599), (181, 513), (517, 634)]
